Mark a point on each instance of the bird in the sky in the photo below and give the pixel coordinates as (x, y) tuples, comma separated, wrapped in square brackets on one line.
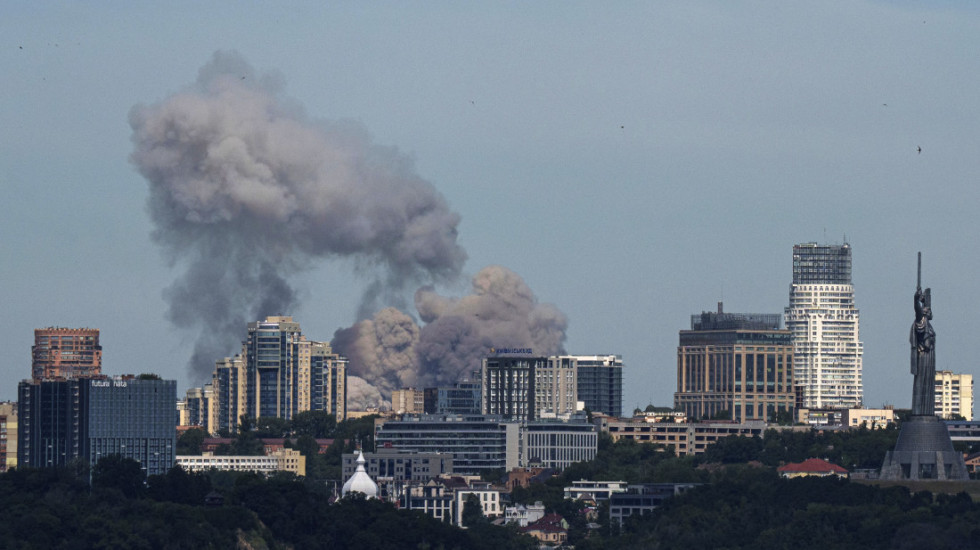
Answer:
[(919, 149)]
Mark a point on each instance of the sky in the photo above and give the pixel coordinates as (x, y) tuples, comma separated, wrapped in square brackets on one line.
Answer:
[(634, 163)]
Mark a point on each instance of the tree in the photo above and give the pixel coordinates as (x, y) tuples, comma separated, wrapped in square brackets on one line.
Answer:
[(271, 427), (472, 511), (189, 442), (316, 424), (117, 472)]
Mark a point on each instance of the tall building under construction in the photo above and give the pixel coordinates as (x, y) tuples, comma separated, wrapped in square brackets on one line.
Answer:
[(827, 350)]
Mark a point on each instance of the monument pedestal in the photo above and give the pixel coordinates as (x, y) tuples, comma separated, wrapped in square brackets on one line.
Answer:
[(924, 451)]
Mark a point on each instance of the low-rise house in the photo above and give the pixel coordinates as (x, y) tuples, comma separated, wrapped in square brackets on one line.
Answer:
[(283, 460), (551, 529), (587, 490), (812, 467), (523, 515)]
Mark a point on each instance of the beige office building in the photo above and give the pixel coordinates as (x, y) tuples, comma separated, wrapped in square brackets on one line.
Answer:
[(736, 365)]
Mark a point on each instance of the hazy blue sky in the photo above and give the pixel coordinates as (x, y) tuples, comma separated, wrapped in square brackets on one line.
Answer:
[(634, 162)]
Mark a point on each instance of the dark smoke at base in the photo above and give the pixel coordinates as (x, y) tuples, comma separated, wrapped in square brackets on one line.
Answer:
[(391, 352), (246, 190)]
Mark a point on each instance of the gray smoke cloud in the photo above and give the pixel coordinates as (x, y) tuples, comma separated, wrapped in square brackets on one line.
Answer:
[(391, 352), (362, 396), (382, 350), (246, 190)]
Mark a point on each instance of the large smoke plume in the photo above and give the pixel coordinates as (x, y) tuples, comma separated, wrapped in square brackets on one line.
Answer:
[(246, 190), (391, 352)]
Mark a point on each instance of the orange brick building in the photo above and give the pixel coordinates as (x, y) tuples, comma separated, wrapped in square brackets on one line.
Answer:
[(65, 353)]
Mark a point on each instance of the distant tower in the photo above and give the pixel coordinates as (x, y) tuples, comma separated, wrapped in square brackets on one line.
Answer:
[(828, 352), (66, 353)]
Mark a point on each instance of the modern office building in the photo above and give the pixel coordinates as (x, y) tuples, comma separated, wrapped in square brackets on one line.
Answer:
[(556, 444), (736, 364), (954, 395), (66, 353), (600, 382), (827, 349), (509, 386), (64, 420), (460, 398), (478, 443)]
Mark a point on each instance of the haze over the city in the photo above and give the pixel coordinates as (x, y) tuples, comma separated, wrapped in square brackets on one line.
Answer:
[(633, 163)]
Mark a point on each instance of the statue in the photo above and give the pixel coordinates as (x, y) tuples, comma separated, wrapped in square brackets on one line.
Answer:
[(923, 342), (924, 449)]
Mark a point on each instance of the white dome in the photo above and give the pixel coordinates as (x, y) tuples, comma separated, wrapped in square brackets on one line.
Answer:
[(361, 482)]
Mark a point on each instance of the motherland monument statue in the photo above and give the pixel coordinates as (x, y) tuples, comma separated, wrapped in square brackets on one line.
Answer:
[(924, 449)]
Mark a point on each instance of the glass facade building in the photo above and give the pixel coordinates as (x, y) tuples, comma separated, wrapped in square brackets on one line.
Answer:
[(93, 418), (600, 383), (478, 443)]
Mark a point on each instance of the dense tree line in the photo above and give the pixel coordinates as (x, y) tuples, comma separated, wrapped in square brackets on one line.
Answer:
[(746, 507), (742, 503), (62, 508)]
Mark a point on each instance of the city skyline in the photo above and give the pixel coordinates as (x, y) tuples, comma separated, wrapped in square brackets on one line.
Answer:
[(634, 164)]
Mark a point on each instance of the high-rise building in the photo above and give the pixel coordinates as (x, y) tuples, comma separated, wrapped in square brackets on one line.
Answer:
[(65, 353), (8, 435), (328, 379), (741, 363), (272, 368), (600, 383), (228, 394), (64, 420), (827, 350), (954, 395)]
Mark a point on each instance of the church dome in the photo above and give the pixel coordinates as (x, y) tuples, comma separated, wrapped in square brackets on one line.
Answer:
[(361, 482)]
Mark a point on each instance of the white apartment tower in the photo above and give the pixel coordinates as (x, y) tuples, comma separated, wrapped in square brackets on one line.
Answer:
[(827, 350), (954, 394)]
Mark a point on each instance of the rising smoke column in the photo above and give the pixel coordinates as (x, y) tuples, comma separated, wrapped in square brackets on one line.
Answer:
[(501, 312), (381, 350), (245, 190), (390, 352)]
